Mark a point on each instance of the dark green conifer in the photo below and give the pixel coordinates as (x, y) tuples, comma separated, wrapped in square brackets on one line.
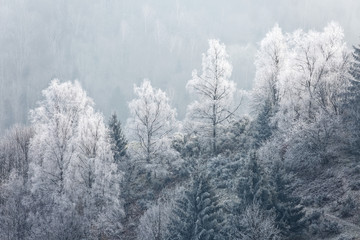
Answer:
[(261, 127), (197, 215), (253, 184), (117, 137), (289, 212), (351, 106)]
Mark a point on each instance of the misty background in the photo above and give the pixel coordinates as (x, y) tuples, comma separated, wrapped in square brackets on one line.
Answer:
[(110, 45)]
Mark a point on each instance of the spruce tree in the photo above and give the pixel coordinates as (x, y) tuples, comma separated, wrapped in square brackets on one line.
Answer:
[(253, 185), (182, 219), (355, 66), (252, 188), (261, 127), (351, 106), (289, 212), (197, 215), (117, 137), (273, 193)]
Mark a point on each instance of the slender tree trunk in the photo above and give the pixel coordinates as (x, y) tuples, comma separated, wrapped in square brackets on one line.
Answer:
[(214, 131), (148, 148)]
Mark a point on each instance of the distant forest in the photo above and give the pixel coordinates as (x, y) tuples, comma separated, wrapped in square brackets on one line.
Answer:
[(110, 45)]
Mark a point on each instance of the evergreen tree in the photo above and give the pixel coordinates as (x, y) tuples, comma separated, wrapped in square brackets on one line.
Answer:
[(351, 106), (253, 184), (181, 224), (355, 66), (289, 213), (117, 137), (261, 127), (197, 215), (273, 193), (236, 138)]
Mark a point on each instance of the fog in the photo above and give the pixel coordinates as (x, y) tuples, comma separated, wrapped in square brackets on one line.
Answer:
[(110, 45)]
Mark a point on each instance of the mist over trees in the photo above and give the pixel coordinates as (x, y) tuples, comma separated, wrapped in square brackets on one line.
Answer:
[(287, 169), (108, 45)]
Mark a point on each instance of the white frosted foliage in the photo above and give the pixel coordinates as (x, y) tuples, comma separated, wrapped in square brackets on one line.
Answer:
[(72, 161), (214, 91), (151, 121)]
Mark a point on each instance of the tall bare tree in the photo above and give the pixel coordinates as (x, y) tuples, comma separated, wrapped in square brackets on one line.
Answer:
[(215, 93)]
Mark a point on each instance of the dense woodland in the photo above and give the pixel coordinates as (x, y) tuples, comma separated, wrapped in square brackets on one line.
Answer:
[(289, 169)]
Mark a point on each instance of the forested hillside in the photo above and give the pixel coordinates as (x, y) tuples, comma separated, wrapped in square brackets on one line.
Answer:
[(288, 169)]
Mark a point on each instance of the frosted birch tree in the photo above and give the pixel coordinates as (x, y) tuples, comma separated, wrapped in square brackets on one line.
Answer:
[(97, 176), (314, 80), (151, 121), (53, 146), (14, 166), (13, 211), (153, 224), (214, 92), (312, 87), (269, 62), (72, 170), (14, 151), (258, 225)]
